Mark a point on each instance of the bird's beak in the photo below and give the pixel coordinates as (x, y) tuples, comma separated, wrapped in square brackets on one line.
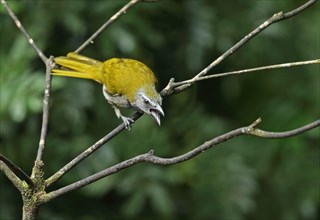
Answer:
[(156, 112)]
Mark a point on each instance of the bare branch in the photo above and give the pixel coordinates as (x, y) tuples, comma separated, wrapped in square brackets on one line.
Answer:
[(88, 152), (46, 103), (122, 11), (151, 158), (274, 19), (24, 32), (237, 72), (269, 134), (174, 88), (11, 176), (14, 172), (298, 10)]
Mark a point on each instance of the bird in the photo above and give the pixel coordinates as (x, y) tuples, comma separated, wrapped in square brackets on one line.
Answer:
[(126, 83)]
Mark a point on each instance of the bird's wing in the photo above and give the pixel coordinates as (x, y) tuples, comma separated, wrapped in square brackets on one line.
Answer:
[(126, 76)]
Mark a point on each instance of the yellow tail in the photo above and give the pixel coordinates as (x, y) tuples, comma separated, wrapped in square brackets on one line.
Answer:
[(79, 66)]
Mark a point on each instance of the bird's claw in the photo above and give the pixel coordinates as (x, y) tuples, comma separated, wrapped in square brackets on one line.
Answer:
[(127, 122)]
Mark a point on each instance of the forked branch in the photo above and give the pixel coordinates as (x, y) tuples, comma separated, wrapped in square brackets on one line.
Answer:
[(14, 173), (151, 158), (173, 87), (88, 152), (237, 72)]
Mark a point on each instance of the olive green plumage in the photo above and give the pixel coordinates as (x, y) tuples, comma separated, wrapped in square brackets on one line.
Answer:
[(126, 82)]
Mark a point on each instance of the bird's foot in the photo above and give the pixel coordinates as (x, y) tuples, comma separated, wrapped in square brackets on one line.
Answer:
[(127, 122)]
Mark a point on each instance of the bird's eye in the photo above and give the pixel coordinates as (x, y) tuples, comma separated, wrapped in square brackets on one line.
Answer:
[(146, 101)]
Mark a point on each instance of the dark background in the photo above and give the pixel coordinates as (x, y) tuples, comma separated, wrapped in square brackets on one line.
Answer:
[(245, 178)]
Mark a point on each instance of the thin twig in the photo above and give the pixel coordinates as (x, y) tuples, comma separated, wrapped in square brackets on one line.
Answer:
[(173, 88), (274, 19), (122, 11), (151, 158), (269, 134), (16, 170), (46, 103), (298, 10), (88, 152), (237, 72), (24, 32)]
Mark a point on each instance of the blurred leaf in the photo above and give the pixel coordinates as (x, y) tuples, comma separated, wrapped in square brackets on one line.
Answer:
[(160, 200), (134, 204)]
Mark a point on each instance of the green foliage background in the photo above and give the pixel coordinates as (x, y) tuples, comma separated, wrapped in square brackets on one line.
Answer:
[(245, 178)]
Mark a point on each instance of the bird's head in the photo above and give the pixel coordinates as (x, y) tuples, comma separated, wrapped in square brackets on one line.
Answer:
[(149, 101)]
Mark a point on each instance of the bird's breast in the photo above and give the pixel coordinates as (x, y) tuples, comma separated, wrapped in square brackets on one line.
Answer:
[(116, 99)]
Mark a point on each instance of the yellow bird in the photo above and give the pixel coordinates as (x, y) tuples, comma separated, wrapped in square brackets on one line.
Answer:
[(126, 83)]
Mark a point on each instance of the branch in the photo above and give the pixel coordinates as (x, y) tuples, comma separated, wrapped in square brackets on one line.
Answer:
[(11, 176), (172, 87), (122, 11), (151, 158), (37, 171), (277, 135), (88, 152), (237, 72), (24, 32), (13, 172), (298, 10), (46, 103)]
